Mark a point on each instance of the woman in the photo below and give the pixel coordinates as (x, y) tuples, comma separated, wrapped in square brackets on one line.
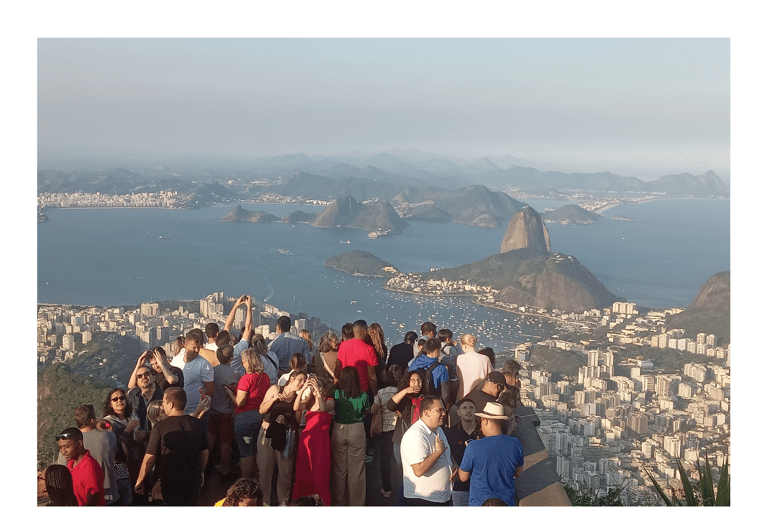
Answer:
[(298, 362), (155, 412), (59, 486), (124, 423), (313, 457), (383, 442), (243, 493), (279, 417), (304, 333), (268, 358), (326, 355), (250, 393), (348, 440), (376, 334), (405, 403)]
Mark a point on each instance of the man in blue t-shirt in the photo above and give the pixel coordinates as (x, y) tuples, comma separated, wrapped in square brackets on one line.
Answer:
[(440, 376), (494, 461)]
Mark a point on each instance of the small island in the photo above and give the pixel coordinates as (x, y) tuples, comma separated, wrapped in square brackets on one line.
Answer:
[(240, 214), (361, 263), (571, 214)]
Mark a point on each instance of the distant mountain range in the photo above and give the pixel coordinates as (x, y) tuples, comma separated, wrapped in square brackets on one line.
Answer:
[(410, 168)]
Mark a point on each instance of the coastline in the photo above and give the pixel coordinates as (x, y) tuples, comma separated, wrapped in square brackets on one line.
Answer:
[(620, 203)]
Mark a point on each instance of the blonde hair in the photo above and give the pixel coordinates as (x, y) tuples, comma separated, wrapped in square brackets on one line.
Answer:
[(253, 359)]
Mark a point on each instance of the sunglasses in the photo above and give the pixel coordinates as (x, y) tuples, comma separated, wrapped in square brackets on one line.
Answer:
[(118, 399), (142, 375), (65, 435)]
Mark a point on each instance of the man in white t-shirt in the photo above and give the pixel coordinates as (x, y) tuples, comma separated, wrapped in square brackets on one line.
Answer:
[(471, 366), (427, 466)]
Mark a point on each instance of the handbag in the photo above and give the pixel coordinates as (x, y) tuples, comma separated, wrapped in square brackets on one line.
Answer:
[(291, 436), (377, 423)]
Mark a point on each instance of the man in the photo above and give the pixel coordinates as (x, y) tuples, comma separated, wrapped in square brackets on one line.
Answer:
[(208, 354), (356, 352), (429, 362), (139, 397), (221, 426), (402, 353), (426, 456), (211, 332), (101, 445), (448, 354), (492, 387), (494, 461), (287, 344), (165, 374), (471, 366), (428, 330), (87, 476), (198, 373), (179, 447), (459, 436)]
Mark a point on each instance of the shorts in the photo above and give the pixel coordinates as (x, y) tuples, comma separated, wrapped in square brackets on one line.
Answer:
[(222, 426), (247, 426)]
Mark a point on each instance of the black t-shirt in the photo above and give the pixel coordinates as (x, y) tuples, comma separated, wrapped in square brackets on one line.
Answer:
[(457, 441), (163, 384), (177, 442), (480, 398), (400, 355)]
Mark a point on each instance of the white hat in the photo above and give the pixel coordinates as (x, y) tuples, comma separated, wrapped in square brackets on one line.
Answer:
[(493, 411)]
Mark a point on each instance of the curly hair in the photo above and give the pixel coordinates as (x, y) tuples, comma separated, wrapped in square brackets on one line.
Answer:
[(243, 489)]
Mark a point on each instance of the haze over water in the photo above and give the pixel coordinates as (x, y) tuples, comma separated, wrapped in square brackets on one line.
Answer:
[(115, 257)]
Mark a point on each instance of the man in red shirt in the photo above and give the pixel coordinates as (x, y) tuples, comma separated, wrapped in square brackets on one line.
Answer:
[(358, 353), (87, 476)]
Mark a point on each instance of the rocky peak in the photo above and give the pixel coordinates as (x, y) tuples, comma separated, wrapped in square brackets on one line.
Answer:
[(526, 230)]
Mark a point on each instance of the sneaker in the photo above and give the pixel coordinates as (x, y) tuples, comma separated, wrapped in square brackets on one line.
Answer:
[(368, 458), (386, 494)]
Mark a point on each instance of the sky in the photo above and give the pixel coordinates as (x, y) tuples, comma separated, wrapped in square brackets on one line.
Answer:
[(644, 107)]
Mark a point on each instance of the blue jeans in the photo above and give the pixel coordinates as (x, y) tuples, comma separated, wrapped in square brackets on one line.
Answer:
[(247, 425)]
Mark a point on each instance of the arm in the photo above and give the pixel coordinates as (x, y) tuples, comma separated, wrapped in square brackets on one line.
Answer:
[(231, 317), (445, 392), (139, 363), (209, 388), (372, 381), (464, 476), (420, 468), (146, 466), (299, 404), (248, 317), (269, 399), (240, 398), (518, 471)]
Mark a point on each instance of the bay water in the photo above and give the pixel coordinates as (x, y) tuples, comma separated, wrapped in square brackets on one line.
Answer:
[(126, 256)]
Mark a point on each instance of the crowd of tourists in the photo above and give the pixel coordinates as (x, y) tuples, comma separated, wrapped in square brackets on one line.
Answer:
[(296, 423)]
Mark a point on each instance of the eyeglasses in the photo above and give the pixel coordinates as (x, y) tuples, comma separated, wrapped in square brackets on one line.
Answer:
[(142, 375), (118, 399)]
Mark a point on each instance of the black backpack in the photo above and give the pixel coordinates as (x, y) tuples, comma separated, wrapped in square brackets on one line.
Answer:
[(428, 380)]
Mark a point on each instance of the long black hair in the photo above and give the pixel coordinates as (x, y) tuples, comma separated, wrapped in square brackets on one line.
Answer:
[(58, 484)]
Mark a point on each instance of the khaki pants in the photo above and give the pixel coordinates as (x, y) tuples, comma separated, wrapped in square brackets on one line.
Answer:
[(266, 456), (348, 465)]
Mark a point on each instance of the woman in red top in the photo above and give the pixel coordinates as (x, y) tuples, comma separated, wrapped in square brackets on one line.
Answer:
[(250, 393)]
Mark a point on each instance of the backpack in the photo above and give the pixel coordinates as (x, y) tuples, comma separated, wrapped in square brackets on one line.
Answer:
[(428, 381)]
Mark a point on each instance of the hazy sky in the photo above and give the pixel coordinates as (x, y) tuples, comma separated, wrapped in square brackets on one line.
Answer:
[(643, 107)]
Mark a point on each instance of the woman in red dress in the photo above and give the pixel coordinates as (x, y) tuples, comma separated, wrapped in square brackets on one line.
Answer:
[(313, 459)]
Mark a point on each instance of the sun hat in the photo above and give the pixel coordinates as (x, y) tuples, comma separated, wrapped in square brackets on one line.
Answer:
[(493, 411)]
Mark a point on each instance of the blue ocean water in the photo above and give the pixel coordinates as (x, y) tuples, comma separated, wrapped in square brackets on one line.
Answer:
[(116, 256)]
